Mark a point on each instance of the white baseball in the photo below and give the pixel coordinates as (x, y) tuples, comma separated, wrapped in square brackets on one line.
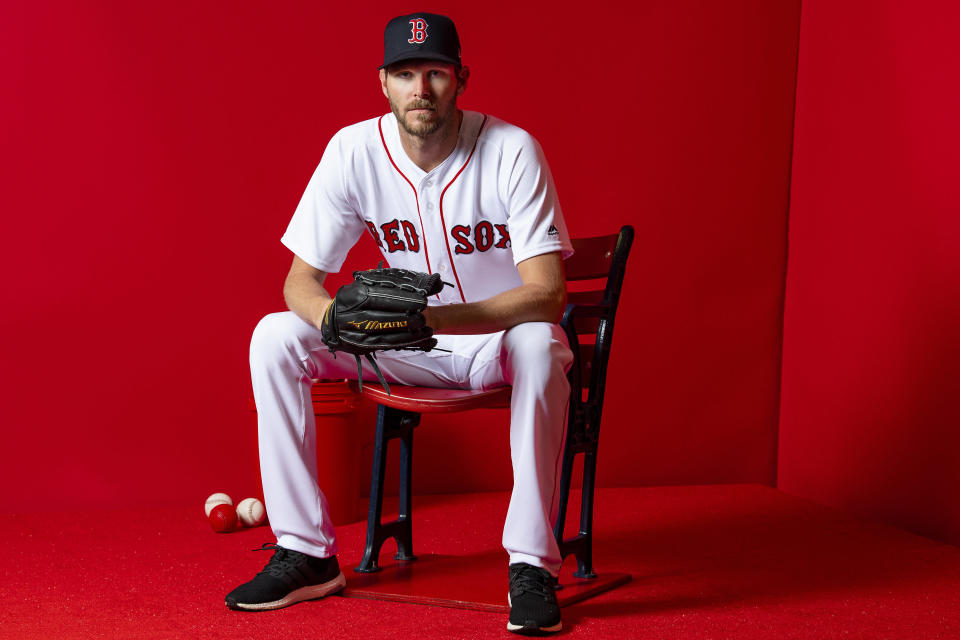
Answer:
[(251, 512), (214, 500)]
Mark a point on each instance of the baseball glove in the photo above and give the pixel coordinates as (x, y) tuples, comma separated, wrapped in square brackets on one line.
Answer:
[(381, 309)]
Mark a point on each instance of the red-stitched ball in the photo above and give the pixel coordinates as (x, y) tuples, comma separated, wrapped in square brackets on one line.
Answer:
[(223, 518)]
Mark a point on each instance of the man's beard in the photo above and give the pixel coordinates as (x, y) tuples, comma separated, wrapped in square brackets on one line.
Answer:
[(421, 128)]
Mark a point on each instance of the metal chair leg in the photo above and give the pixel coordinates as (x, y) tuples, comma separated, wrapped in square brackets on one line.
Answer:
[(404, 535), (585, 551), (391, 424)]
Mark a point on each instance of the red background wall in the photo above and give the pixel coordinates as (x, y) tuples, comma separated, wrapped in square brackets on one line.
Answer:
[(870, 408), (155, 152)]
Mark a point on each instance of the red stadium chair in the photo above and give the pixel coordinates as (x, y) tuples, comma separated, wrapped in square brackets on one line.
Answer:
[(588, 322)]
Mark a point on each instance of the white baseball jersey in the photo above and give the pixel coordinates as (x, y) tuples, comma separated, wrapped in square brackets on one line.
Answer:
[(490, 205)]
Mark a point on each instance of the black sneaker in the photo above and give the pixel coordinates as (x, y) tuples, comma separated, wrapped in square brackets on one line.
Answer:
[(289, 577), (533, 604)]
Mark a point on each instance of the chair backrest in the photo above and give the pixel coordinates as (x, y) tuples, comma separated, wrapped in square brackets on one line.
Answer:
[(589, 317)]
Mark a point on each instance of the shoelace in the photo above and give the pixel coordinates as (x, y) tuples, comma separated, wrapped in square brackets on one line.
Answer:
[(530, 580), (282, 561)]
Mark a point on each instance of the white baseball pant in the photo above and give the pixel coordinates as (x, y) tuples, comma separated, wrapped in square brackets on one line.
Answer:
[(286, 353)]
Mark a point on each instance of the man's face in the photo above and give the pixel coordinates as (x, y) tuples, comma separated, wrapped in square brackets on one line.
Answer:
[(422, 94)]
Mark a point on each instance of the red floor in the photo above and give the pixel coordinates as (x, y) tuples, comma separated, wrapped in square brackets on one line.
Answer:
[(707, 562)]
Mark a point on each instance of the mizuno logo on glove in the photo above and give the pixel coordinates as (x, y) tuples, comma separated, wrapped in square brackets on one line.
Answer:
[(376, 325)]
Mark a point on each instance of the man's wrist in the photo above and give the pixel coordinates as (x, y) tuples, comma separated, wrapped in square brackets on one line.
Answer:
[(430, 318), (322, 305)]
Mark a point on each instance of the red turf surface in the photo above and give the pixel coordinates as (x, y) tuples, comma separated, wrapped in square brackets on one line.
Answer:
[(735, 561)]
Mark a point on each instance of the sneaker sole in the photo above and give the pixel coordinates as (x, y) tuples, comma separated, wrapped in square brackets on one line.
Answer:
[(303, 593), (531, 631)]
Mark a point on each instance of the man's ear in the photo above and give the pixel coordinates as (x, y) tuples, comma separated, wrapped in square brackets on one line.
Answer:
[(383, 82), (462, 78)]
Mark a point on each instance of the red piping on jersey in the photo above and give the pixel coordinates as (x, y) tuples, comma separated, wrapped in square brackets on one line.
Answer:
[(443, 222), (426, 252)]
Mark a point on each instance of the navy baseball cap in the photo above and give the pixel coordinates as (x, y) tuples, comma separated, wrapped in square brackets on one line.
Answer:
[(421, 36)]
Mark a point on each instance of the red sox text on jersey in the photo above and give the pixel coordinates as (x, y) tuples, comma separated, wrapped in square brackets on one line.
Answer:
[(401, 235)]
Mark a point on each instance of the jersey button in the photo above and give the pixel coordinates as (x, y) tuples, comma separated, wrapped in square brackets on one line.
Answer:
[(429, 206)]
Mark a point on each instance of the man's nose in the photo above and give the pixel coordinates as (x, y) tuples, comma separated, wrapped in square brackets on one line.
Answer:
[(423, 85)]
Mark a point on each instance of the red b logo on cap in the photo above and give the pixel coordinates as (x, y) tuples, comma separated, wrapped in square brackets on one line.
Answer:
[(419, 26)]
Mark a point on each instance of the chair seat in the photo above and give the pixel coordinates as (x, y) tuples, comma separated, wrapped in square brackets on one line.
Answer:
[(430, 400)]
